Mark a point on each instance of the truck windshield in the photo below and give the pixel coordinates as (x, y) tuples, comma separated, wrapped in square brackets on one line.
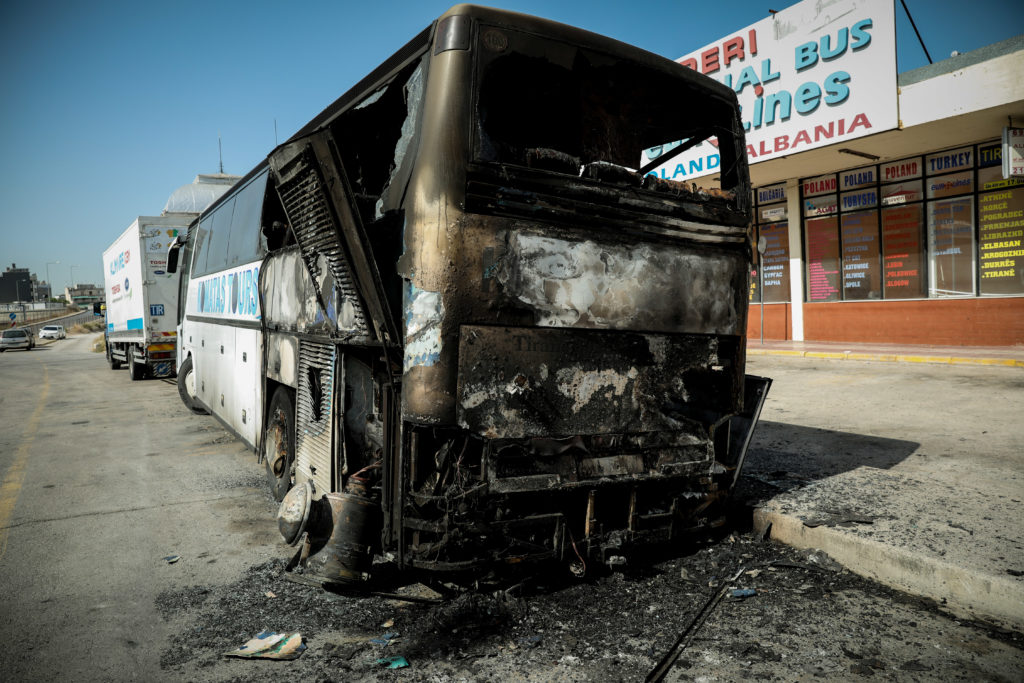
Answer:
[(550, 105)]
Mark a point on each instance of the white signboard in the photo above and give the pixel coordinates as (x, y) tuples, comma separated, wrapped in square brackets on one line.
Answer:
[(1013, 152), (816, 74)]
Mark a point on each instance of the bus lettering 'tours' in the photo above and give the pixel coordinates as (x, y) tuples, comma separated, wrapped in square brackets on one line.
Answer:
[(231, 293)]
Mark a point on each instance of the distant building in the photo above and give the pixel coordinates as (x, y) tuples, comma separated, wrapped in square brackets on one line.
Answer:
[(16, 285), (199, 194), (83, 295), (43, 290)]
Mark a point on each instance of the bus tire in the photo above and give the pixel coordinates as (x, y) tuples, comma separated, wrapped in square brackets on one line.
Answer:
[(279, 443), (136, 370), (187, 388)]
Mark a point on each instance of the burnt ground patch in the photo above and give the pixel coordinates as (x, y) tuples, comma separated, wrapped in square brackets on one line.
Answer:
[(807, 618)]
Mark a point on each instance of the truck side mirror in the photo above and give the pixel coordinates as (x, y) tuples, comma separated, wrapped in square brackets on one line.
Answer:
[(172, 254)]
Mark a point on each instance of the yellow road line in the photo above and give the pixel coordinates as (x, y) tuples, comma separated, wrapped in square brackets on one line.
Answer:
[(15, 475)]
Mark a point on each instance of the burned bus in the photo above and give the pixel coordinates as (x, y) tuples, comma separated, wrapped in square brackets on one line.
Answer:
[(464, 325)]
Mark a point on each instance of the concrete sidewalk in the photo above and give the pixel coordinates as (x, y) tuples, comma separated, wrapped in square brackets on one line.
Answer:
[(966, 355), (910, 475)]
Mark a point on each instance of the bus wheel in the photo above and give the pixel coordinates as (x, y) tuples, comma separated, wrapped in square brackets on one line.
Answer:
[(187, 388), (136, 370), (279, 443)]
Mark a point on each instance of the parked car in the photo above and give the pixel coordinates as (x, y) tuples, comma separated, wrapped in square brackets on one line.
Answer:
[(17, 338), (53, 332)]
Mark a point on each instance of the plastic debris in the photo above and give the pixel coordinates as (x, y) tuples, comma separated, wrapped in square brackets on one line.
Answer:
[(171, 559), (388, 624), (530, 641), (393, 662), (744, 592), (384, 639), (270, 594), (270, 645)]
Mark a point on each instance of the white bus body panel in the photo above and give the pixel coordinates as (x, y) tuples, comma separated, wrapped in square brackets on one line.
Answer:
[(222, 318)]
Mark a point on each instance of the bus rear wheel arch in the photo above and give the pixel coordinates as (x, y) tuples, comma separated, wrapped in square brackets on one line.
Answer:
[(187, 387), (279, 443)]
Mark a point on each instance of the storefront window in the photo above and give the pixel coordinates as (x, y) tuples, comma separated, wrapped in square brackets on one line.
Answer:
[(951, 185), (942, 225), (902, 251), (951, 247), (861, 271), (822, 239), (775, 263), (773, 226), (1001, 241)]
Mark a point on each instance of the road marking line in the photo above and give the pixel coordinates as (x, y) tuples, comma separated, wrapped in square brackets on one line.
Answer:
[(15, 475)]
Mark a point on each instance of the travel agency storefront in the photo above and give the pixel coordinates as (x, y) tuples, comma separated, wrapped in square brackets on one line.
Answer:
[(882, 202)]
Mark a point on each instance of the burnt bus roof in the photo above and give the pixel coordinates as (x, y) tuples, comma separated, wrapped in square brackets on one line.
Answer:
[(595, 41), (497, 17)]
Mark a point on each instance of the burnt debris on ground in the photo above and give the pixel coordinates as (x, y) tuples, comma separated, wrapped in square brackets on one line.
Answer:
[(796, 614)]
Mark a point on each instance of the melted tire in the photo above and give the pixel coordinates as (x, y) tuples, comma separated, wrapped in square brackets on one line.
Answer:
[(279, 437)]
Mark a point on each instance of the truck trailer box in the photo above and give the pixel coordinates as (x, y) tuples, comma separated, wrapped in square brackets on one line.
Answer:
[(142, 297)]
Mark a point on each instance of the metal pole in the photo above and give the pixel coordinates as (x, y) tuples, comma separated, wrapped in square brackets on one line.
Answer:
[(48, 280), (916, 32), (762, 245), (760, 290)]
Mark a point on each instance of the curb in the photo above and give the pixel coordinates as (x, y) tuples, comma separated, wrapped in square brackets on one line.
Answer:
[(887, 357), (966, 594)]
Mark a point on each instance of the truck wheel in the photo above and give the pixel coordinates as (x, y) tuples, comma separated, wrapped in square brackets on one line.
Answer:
[(136, 370), (114, 363), (279, 443), (187, 388)]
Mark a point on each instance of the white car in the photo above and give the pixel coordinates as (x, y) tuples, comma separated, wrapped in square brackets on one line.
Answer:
[(17, 338), (53, 332)]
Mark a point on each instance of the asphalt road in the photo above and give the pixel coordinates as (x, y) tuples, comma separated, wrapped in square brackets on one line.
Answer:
[(102, 478)]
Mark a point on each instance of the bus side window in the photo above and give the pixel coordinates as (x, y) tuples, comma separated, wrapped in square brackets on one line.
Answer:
[(245, 246), (375, 136)]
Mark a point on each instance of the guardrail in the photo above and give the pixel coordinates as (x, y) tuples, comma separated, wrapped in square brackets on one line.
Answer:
[(66, 320)]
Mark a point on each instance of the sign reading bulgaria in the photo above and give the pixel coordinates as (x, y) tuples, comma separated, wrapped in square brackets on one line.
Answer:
[(812, 75)]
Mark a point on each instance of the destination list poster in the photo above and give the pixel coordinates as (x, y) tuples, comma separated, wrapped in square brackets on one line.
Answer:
[(1001, 241), (860, 256), (951, 241), (823, 259), (775, 262), (901, 251)]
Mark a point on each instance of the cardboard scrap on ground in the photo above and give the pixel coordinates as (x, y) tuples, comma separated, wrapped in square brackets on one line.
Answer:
[(270, 645)]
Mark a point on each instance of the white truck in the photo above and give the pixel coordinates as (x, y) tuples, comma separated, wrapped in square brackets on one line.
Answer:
[(142, 297)]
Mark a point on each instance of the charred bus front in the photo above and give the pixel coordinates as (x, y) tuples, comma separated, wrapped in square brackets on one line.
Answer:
[(486, 335)]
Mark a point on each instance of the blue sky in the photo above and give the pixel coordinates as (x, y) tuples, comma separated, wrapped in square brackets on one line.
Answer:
[(107, 107)]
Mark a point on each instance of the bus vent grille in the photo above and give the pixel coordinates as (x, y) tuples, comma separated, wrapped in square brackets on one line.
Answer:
[(305, 201), (314, 408)]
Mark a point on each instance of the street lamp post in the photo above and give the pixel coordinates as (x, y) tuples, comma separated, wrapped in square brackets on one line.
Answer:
[(71, 294), (48, 280)]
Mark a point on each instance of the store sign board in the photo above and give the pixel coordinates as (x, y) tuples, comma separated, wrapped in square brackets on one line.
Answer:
[(951, 160), (811, 75), (901, 170), (772, 193), (857, 178), (1013, 152)]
